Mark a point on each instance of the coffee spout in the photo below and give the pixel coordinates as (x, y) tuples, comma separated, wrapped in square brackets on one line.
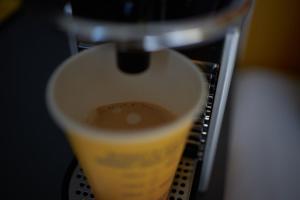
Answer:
[(132, 60)]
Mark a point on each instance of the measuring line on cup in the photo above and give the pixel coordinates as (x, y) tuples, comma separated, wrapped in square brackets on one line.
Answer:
[(76, 186)]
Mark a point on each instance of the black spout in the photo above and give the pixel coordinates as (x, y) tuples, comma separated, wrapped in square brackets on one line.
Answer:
[(132, 61)]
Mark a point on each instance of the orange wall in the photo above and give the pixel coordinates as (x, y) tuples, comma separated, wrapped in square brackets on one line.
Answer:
[(273, 39)]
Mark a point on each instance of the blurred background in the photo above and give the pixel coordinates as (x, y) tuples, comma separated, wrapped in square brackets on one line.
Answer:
[(272, 41), (35, 154)]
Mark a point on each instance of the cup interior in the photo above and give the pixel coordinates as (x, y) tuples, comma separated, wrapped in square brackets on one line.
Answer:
[(92, 78)]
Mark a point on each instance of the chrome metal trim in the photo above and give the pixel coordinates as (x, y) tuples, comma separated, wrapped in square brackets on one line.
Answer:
[(71, 37), (225, 74), (153, 36)]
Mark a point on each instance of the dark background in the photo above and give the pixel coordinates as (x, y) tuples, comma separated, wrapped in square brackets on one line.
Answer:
[(35, 154)]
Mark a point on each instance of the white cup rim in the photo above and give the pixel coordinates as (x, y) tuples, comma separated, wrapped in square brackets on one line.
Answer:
[(73, 127)]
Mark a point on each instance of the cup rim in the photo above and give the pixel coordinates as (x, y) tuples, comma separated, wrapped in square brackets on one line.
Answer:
[(73, 127)]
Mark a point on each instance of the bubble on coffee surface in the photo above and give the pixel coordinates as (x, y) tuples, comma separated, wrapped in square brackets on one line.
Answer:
[(133, 118), (129, 116), (116, 110)]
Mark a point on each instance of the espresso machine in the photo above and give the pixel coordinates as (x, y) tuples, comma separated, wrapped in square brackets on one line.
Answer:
[(206, 31)]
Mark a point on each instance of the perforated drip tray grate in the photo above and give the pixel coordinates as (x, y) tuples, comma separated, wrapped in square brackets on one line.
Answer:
[(79, 189), (76, 186)]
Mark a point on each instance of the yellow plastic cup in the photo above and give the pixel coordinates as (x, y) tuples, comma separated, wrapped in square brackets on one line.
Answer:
[(123, 164)]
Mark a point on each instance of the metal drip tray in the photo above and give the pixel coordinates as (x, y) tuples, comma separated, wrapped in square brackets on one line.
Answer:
[(76, 186), (79, 189)]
